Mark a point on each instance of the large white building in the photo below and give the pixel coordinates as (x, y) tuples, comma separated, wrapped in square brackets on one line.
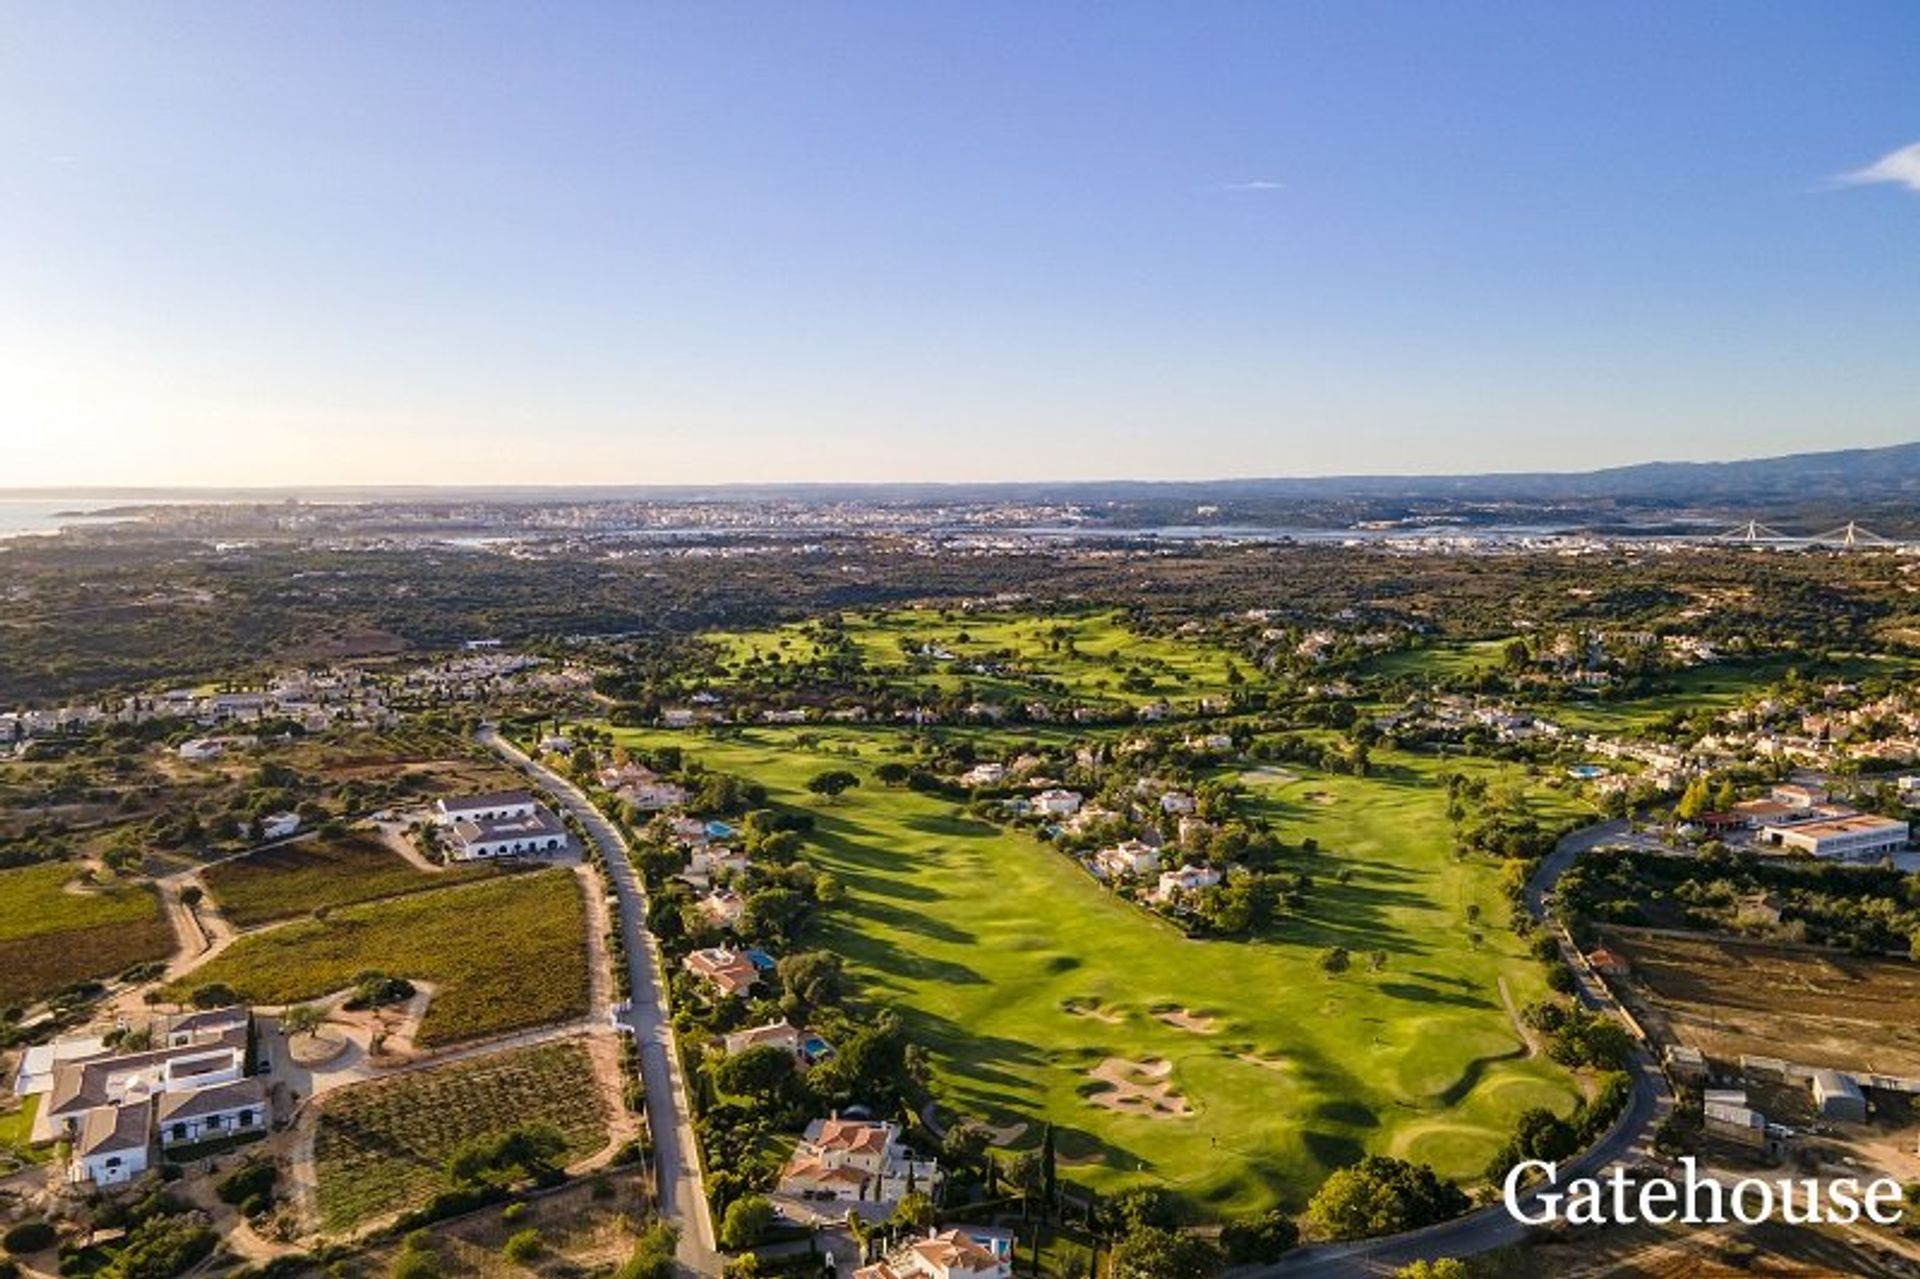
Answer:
[(1851, 836), (193, 1088), (500, 824)]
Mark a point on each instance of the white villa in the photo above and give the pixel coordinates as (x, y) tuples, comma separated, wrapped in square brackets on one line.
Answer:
[(1187, 879), (970, 1252), (857, 1161), (1132, 858), (1058, 802), (984, 775), (112, 1109), (722, 908), (500, 824), (728, 971), (279, 825)]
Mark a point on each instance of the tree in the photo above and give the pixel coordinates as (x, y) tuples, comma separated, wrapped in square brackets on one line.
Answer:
[(745, 1223), (653, 1255), (1383, 1196), (892, 773), (915, 1211), (832, 783), (812, 977), (302, 1019), (1149, 1252), (757, 1072), (1263, 1239), (965, 1144), (214, 995), (1335, 960)]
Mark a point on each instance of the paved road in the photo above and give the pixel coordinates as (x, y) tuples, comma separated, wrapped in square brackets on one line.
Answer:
[(683, 1199), (1492, 1227)]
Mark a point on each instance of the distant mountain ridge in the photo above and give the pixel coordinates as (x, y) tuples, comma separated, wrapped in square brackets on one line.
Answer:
[(1868, 475)]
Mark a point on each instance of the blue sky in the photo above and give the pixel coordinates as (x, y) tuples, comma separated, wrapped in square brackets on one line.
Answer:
[(308, 243)]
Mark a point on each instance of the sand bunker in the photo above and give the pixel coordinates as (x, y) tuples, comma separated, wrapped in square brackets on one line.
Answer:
[(1138, 1088), (1188, 1020), (1323, 798), (1091, 1008), (1008, 1135)]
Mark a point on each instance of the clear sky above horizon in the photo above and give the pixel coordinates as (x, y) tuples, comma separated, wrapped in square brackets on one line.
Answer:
[(698, 242)]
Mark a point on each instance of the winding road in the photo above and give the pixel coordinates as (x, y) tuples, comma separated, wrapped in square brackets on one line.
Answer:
[(1493, 1227), (683, 1199)]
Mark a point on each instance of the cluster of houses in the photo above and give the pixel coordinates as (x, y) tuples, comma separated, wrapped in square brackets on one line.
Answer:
[(190, 1087), (315, 699), (1801, 817), (509, 823), (642, 788)]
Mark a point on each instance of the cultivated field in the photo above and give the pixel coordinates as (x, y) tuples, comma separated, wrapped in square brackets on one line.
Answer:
[(317, 874), (383, 1147), (505, 954), (1088, 655), (1822, 1008), (1235, 1073), (55, 931)]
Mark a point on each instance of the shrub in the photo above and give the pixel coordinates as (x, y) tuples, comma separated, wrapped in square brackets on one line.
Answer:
[(523, 1246), (29, 1236), (746, 1222), (254, 1179), (416, 1264)]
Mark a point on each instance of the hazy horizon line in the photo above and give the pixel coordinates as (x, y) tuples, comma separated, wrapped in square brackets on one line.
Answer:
[(294, 491)]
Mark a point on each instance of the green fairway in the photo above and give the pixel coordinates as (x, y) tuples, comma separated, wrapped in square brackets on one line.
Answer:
[(505, 954), (1024, 978), (1087, 655)]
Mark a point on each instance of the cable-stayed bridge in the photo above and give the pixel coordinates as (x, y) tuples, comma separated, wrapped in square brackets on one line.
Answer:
[(1850, 536)]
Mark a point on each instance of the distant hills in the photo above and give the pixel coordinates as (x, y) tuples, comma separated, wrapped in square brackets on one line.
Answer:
[(1867, 484)]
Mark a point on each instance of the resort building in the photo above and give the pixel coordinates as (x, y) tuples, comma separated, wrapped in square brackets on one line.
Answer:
[(1850, 837)]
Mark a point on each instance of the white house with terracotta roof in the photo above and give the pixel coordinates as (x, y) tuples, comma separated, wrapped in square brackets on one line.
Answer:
[(856, 1161), (1131, 859), (728, 971), (967, 1253)]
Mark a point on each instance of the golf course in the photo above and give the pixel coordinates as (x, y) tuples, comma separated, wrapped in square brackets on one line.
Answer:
[(1235, 1073)]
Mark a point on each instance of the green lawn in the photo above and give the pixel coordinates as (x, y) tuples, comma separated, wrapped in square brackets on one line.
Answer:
[(1437, 661), (318, 873), (16, 1126), (1089, 654), (506, 954), (1021, 976), (55, 931), (383, 1147)]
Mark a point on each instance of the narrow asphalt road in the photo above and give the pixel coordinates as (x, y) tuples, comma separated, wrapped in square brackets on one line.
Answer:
[(1493, 1227), (683, 1199)]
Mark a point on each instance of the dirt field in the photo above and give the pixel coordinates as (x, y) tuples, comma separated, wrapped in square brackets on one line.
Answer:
[(1729, 998)]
